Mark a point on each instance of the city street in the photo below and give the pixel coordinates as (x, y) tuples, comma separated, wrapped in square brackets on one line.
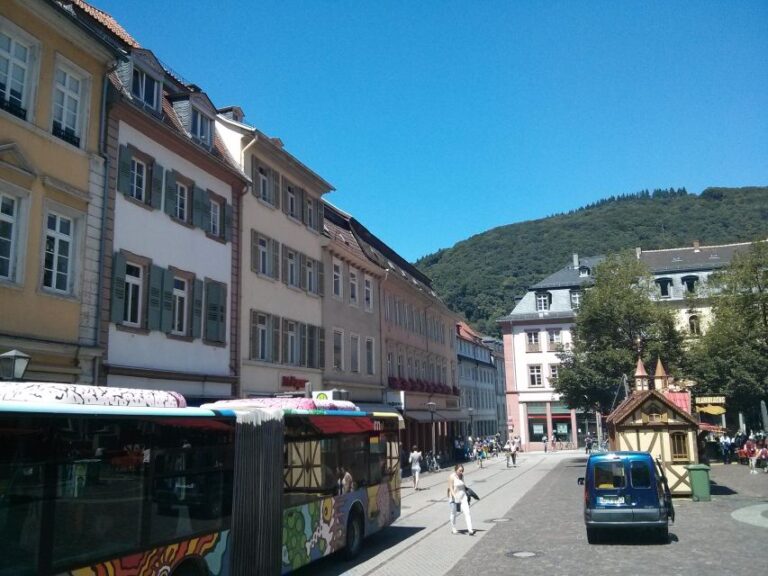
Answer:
[(529, 521)]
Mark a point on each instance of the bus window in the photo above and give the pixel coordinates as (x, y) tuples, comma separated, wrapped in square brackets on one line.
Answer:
[(354, 458), (377, 459)]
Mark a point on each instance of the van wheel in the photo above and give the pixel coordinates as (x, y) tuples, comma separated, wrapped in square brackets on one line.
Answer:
[(662, 535), (593, 535), (354, 536)]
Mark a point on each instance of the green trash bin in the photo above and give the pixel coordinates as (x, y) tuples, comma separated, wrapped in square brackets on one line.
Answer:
[(699, 475)]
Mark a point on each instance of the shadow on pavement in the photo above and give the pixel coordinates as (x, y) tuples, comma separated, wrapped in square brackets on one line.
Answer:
[(372, 546), (720, 490)]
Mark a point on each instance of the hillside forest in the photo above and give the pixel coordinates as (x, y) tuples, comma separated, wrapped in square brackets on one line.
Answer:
[(481, 277)]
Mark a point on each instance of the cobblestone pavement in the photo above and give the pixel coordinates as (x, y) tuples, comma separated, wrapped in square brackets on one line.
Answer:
[(537, 508)]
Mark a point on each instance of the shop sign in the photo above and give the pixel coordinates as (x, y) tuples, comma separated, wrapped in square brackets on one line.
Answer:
[(710, 400)]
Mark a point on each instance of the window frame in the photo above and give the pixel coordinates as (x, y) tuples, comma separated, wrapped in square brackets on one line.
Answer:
[(675, 453), (201, 126), (354, 353), (353, 287), (141, 93), (535, 379), (80, 131), (575, 299), (370, 356), (337, 281), (368, 294), (141, 285), (135, 163), (18, 240), (77, 230), (543, 301), (31, 71), (337, 356), (176, 210)]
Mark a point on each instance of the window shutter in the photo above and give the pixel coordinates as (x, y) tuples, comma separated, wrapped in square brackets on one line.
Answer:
[(124, 170), (300, 214), (254, 340), (274, 181), (275, 320), (284, 188), (228, 222), (321, 348), (255, 182), (285, 264), (222, 335), (285, 341), (211, 311), (118, 288), (320, 215), (320, 278), (197, 309), (170, 192), (206, 219), (155, 300), (275, 271), (302, 271), (166, 321), (254, 251), (199, 199), (311, 346), (302, 344), (156, 196)]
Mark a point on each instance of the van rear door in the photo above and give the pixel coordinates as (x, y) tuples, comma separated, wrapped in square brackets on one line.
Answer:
[(610, 500), (644, 492)]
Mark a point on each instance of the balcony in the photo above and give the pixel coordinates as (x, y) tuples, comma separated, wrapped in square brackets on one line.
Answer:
[(66, 134), (14, 108)]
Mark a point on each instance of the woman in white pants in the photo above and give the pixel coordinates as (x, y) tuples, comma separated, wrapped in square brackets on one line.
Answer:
[(458, 497)]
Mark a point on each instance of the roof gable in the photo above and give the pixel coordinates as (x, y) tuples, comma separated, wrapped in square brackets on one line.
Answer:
[(638, 402)]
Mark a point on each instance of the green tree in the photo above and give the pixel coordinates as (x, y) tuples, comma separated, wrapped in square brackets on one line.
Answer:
[(617, 318), (731, 359)]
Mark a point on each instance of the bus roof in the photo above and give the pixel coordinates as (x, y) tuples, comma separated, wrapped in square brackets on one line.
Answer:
[(295, 405), (100, 410), (60, 393)]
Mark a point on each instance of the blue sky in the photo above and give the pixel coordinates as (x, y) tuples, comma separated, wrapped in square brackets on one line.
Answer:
[(438, 120)]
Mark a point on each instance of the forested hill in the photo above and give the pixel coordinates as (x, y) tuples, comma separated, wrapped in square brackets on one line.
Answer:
[(480, 277)]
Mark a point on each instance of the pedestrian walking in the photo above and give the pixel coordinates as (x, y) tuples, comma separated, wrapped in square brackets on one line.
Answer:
[(459, 499), (544, 441), (588, 444), (415, 460)]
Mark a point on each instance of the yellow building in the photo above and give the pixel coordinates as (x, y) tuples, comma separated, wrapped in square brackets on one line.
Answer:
[(657, 419), (53, 62)]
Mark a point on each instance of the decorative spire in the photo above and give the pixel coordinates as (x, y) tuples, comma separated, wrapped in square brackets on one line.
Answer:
[(641, 376), (660, 376)]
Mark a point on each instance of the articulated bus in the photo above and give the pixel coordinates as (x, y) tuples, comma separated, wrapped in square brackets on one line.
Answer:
[(120, 482)]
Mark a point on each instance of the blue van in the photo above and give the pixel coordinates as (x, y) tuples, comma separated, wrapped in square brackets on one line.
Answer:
[(626, 490)]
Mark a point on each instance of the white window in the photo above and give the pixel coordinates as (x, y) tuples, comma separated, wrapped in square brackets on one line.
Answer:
[(262, 332), (532, 341), (263, 256), (553, 372), (292, 342), (310, 276), (542, 301), (201, 127), (534, 376), (18, 56), (368, 293), (337, 289), (182, 201), (215, 222), (575, 299), (145, 88), (353, 287), (179, 307), (138, 179), (134, 287), (354, 361), (338, 350), (293, 279), (370, 367), (69, 103), (57, 270), (9, 229), (309, 220), (291, 207), (263, 185)]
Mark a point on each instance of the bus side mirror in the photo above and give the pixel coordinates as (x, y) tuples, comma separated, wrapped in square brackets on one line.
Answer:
[(580, 481)]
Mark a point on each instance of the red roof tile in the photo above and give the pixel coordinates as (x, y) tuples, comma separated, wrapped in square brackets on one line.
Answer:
[(106, 21), (680, 399)]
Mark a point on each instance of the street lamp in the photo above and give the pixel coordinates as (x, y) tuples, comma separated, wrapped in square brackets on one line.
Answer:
[(13, 364), (431, 406)]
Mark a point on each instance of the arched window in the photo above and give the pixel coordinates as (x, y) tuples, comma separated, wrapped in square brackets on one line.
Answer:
[(693, 325)]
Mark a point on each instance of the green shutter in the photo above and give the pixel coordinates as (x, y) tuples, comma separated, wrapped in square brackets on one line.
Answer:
[(321, 348), (275, 271), (211, 311), (275, 322), (228, 213), (222, 336), (166, 320), (300, 196), (274, 188), (199, 199), (285, 341), (320, 215), (285, 264), (124, 170), (254, 251), (118, 288), (302, 344), (206, 220), (197, 309), (155, 298), (302, 271), (156, 195), (254, 339), (320, 278), (284, 187), (170, 193), (311, 346)]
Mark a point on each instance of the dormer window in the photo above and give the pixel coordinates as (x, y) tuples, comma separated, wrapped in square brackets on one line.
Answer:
[(543, 301), (665, 287), (584, 272), (690, 283), (145, 88), (201, 127)]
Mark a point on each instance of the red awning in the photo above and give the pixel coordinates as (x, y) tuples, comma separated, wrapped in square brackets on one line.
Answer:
[(710, 427), (342, 424)]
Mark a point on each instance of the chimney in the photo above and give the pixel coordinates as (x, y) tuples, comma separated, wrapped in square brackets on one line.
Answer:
[(232, 113), (575, 261), (638, 252), (696, 246)]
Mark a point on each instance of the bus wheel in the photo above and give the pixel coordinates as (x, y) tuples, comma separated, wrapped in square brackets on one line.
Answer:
[(354, 536), (190, 568)]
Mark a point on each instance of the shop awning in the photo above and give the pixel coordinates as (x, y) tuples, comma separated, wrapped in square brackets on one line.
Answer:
[(376, 407)]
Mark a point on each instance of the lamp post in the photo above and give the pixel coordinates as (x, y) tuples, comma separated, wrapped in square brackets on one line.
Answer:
[(13, 364), (431, 406)]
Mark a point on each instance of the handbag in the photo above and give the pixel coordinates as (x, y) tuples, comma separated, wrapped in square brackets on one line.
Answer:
[(456, 507)]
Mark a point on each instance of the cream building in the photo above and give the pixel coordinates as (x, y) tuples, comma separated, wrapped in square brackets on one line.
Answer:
[(281, 263), (53, 61)]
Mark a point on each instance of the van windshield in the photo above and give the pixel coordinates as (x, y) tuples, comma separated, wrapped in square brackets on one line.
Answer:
[(609, 475)]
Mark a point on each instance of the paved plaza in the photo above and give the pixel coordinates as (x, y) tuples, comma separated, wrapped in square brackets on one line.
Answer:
[(529, 521)]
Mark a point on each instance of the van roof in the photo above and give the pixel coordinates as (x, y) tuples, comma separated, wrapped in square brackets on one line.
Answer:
[(618, 455)]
